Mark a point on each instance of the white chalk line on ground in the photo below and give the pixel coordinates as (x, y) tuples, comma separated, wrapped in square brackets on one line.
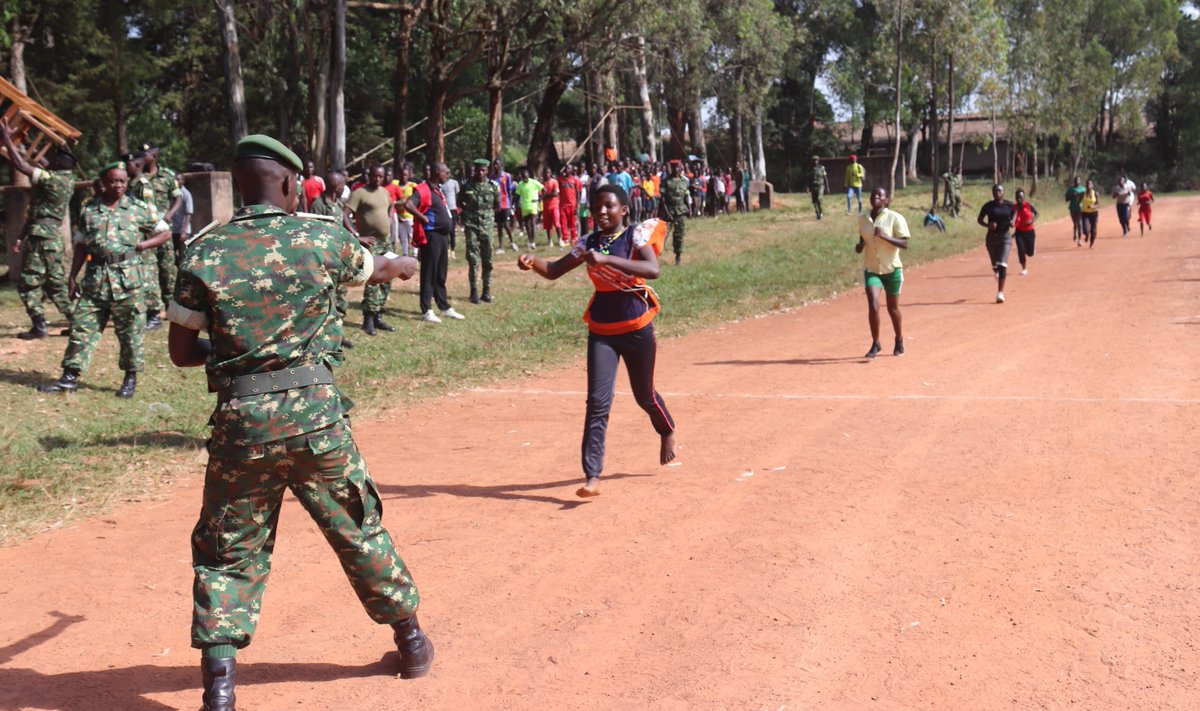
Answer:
[(853, 397)]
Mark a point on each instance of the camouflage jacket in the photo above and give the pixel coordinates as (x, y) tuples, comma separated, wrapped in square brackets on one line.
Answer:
[(52, 191), (321, 205), (478, 202), (263, 286), (675, 192), (161, 189), (108, 233), (818, 176)]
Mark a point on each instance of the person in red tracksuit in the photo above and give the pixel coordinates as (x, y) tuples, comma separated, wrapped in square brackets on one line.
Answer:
[(620, 320), (568, 189)]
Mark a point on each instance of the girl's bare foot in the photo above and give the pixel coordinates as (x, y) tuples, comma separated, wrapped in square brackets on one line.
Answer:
[(667, 452), (591, 488)]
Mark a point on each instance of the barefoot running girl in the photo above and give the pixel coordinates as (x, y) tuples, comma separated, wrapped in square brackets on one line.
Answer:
[(881, 236), (1023, 232), (620, 320)]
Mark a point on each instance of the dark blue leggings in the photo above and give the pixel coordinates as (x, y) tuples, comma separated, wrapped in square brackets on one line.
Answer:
[(638, 349)]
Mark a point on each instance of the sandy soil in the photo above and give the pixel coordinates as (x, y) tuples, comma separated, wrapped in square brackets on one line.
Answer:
[(1005, 518)]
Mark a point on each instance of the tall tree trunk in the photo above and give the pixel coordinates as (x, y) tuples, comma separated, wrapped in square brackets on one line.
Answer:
[(950, 114), (735, 133), (400, 91), (16, 65), (696, 121), (231, 63), (677, 121), (337, 89), (934, 147), (319, 103), (995, 156), (589, 85), (914, 145), (760, 160), (495, 121), (649, 141), (611, 125), (542, 142), (1034, 187), (899, 58), (435, 136)]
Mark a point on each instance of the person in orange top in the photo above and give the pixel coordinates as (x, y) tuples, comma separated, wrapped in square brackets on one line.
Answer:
[(1144, 199), (620, 319)]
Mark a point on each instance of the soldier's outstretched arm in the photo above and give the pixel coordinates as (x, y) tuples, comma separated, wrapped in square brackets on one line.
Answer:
[(388, 268), (186, 347), (14, 156)]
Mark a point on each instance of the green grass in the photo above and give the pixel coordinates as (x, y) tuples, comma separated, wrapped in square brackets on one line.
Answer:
[(62, 457)]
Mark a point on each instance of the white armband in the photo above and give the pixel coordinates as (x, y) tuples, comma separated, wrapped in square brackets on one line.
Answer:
[(189, 319)]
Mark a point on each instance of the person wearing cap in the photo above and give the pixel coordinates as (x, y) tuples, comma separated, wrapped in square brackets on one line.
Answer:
[(818, 185), (854, 182), (480, 201), (138, 189), (114, 232), (42, 273), (263, 286), (159, 186)]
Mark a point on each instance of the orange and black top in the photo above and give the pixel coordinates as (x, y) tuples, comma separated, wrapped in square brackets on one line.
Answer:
[(622, 303)]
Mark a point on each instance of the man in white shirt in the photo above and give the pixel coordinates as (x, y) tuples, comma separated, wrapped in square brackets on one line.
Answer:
[(1125, 193)]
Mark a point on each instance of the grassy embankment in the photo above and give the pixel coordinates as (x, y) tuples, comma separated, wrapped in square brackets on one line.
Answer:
[(62, 457)]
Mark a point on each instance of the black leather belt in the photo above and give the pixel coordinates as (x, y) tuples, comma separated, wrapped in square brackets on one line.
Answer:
[(275, 381), (106, 259)]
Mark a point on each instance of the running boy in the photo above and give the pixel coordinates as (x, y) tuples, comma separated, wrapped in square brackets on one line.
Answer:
[(881, 236)]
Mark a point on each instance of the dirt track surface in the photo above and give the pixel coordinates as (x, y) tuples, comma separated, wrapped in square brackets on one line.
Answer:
[(1007, 517)]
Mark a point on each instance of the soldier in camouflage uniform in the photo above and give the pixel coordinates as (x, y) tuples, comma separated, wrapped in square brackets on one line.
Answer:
[(331, 204), (139, 189), (263, 287), (818, 185), (480, 201), (42, 272), (113, 231), (162, 189), (674, 196), (953, 199)]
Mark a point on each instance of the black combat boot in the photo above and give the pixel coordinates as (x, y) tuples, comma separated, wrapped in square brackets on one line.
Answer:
[(474, 295), (347, 343), (68, 383), (416, 651), (153, 321), (219, 678), (487, 296), (37, 330), (369, 324), (129, 385), (379, 323)]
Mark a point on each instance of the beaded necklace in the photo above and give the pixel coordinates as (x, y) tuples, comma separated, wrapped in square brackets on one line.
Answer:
[(602, 247)]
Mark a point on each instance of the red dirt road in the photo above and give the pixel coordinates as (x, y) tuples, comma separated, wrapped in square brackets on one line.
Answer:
[(1006, 518)]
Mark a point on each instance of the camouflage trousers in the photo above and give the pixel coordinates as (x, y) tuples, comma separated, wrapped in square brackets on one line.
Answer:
[(149, 272), (818, 193), (42, 275), (235, 536), (479, 250), (164, 255), (678, 232), (88, 322), (955, 204), (340, 304), (375, 296)]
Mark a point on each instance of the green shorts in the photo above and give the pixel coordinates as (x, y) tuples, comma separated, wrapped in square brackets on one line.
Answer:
[(890, 283)]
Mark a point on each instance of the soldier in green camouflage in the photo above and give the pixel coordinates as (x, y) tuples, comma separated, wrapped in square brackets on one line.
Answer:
[(331, 204), (42, 272), (113, 232), (162, 189), (818, 185), (139, 189), (479, 201), (674, 196), (263, 287), (953, 199)]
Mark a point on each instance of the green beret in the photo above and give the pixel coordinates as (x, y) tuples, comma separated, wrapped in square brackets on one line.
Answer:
[(483, 162), (115, 165), (816, 157), (259, 146)]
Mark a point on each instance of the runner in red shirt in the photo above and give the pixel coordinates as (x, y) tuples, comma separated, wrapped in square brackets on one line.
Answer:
[(1024, 216), (550, 209), (1144, 198), (569, 187), (313, 185)]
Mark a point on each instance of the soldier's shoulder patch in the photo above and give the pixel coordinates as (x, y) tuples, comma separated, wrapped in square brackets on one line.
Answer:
[(207, 229), (315, 216)]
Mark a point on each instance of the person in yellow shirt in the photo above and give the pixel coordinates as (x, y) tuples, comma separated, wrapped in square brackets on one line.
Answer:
[(881, 236), (1089, 208), (854, 182)]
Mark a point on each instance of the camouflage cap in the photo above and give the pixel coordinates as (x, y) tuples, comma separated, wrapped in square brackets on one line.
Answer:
[(483, 162), (259, 146)]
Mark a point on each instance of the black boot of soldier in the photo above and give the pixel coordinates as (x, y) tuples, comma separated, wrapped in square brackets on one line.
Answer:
[(379, 323), (129, 385), (416, 651), (487, 296), (68, 383), (474, 295), (369, 324), (347, 344), (219, 678), (38, 330), (153, 321)]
